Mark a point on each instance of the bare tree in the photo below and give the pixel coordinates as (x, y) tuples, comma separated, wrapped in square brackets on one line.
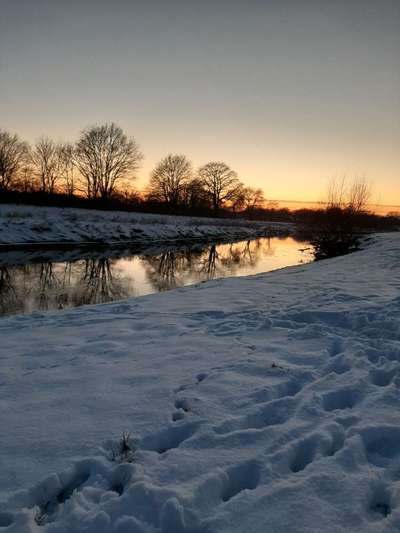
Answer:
[(67, 168), (169, 178), (13, 155), (220, 181), (353, 198), (106, 157), (336, 194), (237, 200), (336, 229), (247, 199), (253, 199), (24, 181), (46, 161), (359, 195), (194, 196)]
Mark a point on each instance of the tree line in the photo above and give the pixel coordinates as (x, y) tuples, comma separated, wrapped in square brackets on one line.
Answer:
[(102, 165)]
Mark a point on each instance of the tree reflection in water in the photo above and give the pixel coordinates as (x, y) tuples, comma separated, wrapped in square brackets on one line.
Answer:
[(48, 286), (170, 269), (49, 283), (8, 294), (99, 283), (92, 277), (173, 269)]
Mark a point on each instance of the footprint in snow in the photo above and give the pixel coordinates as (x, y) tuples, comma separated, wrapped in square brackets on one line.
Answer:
[(169, 438), (308, 449), (382, 445), (379, 505), (201, 377), (336, 346), (339, 365), (241, 477), (278, 390), (48, 510), (6, 519), (304, 454), (183, 404), (275, 412), (340, 399), (177, 415), (382, 377)]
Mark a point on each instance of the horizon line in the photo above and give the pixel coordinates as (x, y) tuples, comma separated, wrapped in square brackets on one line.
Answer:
[(322, 202)]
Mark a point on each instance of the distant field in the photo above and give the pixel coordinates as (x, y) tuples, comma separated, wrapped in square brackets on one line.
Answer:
[(379, 209)]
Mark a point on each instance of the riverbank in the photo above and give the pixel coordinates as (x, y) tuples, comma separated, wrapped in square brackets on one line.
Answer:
[(31, 226), (264, 404)]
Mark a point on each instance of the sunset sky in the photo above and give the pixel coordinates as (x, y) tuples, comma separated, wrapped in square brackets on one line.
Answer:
[(290, 93)]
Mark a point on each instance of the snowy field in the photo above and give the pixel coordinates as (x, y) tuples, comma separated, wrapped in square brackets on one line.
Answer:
[(267, 404), (29, 224)]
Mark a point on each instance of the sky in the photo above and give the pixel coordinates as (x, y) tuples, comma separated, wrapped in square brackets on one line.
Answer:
[(290, 93)]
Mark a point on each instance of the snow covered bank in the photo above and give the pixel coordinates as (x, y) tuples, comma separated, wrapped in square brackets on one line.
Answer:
[(261, 404), (21, 225)]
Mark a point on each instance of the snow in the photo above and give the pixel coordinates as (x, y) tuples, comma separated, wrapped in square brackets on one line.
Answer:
[(260, 404), (21, 225)]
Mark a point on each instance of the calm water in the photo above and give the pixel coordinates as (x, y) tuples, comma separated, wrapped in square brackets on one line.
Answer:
[(57, 280)]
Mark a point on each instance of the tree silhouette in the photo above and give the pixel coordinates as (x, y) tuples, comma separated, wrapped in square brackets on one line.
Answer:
[(106, 157), (169, 179), (67, 168), (253, 199), (194, 196), (46, 161), (13, 155), (220, 182)]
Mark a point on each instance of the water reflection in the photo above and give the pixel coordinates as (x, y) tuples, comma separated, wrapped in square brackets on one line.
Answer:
[(61, 279), (100, 283)]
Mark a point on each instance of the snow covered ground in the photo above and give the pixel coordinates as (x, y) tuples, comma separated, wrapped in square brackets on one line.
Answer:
[(32, 224), (262, 404)]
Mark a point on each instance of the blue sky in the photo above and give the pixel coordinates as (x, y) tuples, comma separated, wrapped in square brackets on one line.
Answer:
[(290, 93)]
